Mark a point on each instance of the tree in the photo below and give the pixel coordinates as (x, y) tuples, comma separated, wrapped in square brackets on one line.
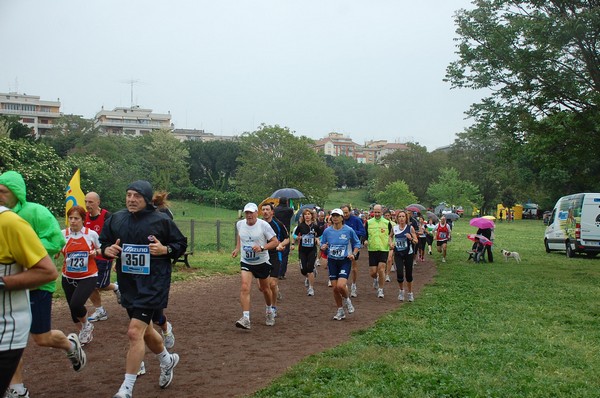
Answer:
[(273, 157), (213, 163), (396, 195), (16, 129), (451, 189), (70, 132), (167, 160)]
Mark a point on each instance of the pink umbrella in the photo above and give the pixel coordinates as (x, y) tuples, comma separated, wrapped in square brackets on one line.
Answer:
[(482, 223), (482, 239)]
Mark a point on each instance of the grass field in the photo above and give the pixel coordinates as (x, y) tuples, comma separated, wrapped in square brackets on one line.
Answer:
[(480, 330), (354, 197)]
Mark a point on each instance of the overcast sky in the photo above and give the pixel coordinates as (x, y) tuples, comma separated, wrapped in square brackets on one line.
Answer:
[(367, 69)]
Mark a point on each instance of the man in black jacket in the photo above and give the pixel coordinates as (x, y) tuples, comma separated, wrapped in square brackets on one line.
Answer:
[(143, 241), (284, 213)]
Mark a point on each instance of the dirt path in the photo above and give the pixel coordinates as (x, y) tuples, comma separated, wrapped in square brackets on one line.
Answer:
[(217, 359)]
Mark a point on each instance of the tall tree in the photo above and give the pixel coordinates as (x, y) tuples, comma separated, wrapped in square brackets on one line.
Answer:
[(396, 195), (451, 189), (213, 163), (167, 160), (273, 157)]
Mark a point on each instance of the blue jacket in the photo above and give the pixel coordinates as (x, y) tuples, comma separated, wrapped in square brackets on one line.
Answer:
[(356, 224)]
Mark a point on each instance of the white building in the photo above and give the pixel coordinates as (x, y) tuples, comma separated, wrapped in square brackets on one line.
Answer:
[(32, 111), (134, 121)]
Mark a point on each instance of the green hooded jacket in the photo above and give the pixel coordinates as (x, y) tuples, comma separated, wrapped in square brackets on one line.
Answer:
[(41, 220)]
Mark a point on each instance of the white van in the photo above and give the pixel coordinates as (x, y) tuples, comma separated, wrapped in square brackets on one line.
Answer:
[(574, 225)]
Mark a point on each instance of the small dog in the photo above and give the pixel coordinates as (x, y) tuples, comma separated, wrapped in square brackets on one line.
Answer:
[(506, 254)]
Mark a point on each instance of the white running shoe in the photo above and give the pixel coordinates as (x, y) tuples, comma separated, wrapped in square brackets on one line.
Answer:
[(168, 336), (270, 318), (98, 315), (85, 335), (310, 291), (393, 268), (443, 259), (379, 293), (349, 306), (77, 357), (142, 370), (387, 278), (340, 314), (353, 290), (306, 282), (166, 372), (243, 323), (12, 393), (329, 283), (123, 394), (117, 293), (411, 298), (401, 295), (375, 283)]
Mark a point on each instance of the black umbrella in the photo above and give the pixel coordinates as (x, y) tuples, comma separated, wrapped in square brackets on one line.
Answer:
[(290, 193), (301, 209), (451, 216), (433, 217)]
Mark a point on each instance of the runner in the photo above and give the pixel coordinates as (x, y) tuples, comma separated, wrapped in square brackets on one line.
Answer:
[(422, 235), (308, 242), (284, 213), (389, 265), (342, 245), (430, 228), (94, 220), (357, 225), (376, 239), (79, 271), (442, 236), (255, 238), (401, 239), (275, 255)]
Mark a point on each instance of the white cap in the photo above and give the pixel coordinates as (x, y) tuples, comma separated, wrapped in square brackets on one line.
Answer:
[(337, 211), (251, 207)]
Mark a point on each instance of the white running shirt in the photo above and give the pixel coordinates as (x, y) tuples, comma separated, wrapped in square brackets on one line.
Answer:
[(258, 234)]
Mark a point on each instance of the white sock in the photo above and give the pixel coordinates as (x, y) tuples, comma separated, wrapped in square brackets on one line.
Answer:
[(128, 382), (101, 308), (164, 357), (246, 314)]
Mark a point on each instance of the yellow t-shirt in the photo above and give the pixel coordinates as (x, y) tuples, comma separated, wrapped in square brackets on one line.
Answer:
[(18, 242)]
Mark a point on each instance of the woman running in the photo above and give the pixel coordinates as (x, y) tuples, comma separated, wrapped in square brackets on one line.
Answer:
[(402, 238), (308, 242)]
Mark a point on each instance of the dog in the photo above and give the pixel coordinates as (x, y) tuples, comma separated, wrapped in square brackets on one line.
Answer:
[(506, 254)]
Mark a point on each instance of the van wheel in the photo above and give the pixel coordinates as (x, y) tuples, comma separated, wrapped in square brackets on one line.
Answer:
[(570, 251), (546, 245)]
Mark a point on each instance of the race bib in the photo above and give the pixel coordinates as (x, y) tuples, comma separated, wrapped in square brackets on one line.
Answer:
[(135, 259), (401, 243), (308, 240), (249, 254), (443, 235), (77, 262), (337, 252)]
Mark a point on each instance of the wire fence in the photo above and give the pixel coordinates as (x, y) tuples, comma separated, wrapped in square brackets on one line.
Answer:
[(208, 235)]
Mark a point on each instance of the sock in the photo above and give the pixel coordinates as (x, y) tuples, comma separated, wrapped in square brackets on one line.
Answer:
[(101, 308), (19, 388), (246, 314), (164, 357), (128, 382)]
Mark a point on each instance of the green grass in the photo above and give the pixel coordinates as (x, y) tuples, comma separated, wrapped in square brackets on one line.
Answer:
[(355, 197), (480, 330)]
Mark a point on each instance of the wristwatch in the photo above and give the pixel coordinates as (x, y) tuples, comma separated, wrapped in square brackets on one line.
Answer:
[(169, 249), (2, 284), (262, 248)]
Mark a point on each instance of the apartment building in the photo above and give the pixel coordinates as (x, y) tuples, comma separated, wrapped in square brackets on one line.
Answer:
[(200, 135), (32, 111), (131, 121), (372, 152), (336, 144)]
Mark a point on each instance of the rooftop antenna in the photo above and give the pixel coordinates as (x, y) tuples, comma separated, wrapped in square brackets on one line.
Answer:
[(131, 82)]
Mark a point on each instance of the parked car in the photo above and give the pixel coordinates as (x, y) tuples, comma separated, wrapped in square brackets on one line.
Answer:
[(574, 225)]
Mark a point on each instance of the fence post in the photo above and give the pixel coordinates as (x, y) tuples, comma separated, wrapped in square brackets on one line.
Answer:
[(192, 242), (218, 235)]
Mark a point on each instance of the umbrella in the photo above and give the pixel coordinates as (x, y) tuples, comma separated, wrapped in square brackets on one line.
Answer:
[(482, 239), (482, 223), (414, 208), (289, 193), (452, 216), (418, 206), (433, 217), (275, 202), (489, 217)]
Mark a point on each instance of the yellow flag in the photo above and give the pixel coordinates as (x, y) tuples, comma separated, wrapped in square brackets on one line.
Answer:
[(74, 195)]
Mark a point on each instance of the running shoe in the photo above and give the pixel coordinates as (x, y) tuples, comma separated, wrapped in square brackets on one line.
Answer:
[(353, 290), (275, 312), (340, 314), (77, 357), (411, 298), (117, 293), (306, 282), (85, 335), (310, 291), (12, 393), (375, 283), (379, 293), (123, 394), (393, 268), (142, 370), (430, 252), (387, 278), (98, 315), (166, 372), (443, 259), (243, 323), (401, 295), (270, 318), (329, 283), (168, 336), (349, 306)]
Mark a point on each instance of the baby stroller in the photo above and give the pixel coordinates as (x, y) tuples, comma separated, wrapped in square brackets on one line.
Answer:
[(478, 250)]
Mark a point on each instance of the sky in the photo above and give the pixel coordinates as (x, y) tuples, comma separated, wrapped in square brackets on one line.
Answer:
[(367, 69)]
